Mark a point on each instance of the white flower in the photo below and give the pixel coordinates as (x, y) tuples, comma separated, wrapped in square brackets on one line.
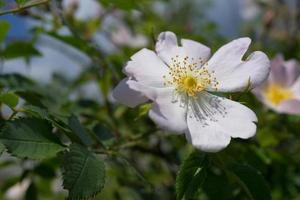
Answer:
[(179, 79)]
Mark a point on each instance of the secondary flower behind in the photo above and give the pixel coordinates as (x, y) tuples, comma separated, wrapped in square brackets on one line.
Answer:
[(281, 91), (179, 79)]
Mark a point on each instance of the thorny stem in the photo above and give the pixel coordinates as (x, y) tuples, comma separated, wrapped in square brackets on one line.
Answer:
[(25, 6)]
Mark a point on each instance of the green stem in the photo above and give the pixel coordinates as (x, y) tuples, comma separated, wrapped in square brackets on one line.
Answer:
[(25, 6)]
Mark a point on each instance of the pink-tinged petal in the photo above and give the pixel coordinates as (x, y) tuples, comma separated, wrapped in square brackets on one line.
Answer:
[(292, 69), (234, 74), (278, 72), (289, 107), (226, 119), (167, 114), (295, 88), (127, 96), (195, 49), (147, 68)]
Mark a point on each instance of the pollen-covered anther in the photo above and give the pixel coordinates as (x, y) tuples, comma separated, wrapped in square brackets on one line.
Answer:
[(190, 77)]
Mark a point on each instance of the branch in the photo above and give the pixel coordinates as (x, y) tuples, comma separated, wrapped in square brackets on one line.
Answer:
[(25, 6)]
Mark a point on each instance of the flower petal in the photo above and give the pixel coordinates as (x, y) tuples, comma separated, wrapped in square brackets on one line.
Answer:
[(168, 114), (165, 45), (211, 132), (292, 69), (195, 49), (147, 68), (295, 88), (167, 48), (234, 74), (289, 107), (127, 96), (278, 72)]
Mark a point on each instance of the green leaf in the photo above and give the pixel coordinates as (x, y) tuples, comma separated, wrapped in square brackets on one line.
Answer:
[(83, 173), (103, 135), (80, 133), (19, 49), (20, 2), (30, 138), (4, 28), (125, 5), (252, 182), (9, 99), (191, 175), (217, 186), (143, 110), (16, 82)]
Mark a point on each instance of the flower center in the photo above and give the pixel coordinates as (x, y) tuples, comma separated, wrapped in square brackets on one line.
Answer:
[(276, 94), (189, 82), (189, 76)]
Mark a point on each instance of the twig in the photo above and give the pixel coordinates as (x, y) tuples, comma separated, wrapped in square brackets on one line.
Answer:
[(23, 7)]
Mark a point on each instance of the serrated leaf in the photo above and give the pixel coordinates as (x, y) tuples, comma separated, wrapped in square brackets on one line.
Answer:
[(191, 175), (4, 28), (252, 181), (83, 173), (30, 138), (80, 133), (9, 99)]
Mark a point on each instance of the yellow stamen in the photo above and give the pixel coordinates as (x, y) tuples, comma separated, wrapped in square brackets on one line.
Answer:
[(276, 94), (188, 77)]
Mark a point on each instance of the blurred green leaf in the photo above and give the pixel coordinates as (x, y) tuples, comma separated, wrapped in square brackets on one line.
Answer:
[(217, 186), (4, 28), (252, 182), (79, 132), (9, 99), (143, 110), (103, 135), (30, 138), (83, 173), (2, 3), (16, 82), (20, 49), (2, 148), (266, 137), (125, 5), (191, 175)]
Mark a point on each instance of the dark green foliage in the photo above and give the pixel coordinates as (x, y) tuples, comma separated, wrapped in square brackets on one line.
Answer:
[(83, 173), (191, 175), (80, 134), (30, 138), (252, 182)]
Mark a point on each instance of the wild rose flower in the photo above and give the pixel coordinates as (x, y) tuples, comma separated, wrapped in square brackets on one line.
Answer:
[(281, 90), (179, 79)]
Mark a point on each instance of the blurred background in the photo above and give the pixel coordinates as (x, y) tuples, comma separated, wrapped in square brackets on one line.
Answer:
[(74, 51)]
